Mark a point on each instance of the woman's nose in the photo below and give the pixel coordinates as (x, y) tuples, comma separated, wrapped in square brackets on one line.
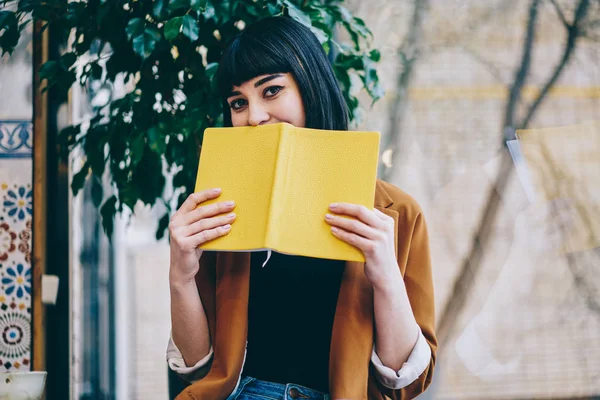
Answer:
[(257, 115)]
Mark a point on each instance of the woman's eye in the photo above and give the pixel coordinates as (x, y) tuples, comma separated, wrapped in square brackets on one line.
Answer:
[(272, 91), (237, 104)]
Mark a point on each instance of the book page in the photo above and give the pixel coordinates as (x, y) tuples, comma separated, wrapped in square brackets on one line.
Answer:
[(321, 167), (241, 161)]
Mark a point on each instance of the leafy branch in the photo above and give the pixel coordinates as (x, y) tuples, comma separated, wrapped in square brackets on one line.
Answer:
[(167, 52)]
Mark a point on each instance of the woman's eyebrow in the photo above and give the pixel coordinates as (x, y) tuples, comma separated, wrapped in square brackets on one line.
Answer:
[(257, 83), (266, 79)]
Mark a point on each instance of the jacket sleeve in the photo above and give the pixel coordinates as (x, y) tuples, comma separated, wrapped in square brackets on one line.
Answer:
[(177, 364), (415, 261), (415, 365)]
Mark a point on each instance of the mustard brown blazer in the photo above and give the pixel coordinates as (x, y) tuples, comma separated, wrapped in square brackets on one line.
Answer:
[(223, 285)]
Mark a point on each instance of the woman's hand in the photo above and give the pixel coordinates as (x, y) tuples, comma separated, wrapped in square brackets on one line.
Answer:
[(372, 232), (192, 226)]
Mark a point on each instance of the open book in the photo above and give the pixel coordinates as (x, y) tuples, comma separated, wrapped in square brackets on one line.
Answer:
[(283, 179)]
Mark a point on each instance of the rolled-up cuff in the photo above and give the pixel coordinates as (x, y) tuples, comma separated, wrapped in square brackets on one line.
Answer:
[(177, 364), (417, 362)]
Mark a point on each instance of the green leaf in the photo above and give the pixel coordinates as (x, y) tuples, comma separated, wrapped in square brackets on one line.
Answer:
[(10, 38), (190, 27), (135, 27), (297, 14), (107, 211), (156, 140), (7, 18), (48, 69), (136, 148), (209, 11), (96, 71), (181, 179), (67, 60), (173, 27), (375, 55), (97, 192), (79, 179), (157, 8), (359, 26), (163, 224), (144, 44), (129, 196), (320, 34), (177, 4), (198, 5), (211, 70)]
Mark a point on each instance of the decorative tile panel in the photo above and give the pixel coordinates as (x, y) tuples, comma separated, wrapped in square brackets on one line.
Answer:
[(15, 245), (15, 139)]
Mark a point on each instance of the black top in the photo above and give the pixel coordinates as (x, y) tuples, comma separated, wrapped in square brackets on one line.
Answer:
[(290, 318)]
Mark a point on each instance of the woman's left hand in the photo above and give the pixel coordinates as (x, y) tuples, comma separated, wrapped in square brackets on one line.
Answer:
[(372, 232)]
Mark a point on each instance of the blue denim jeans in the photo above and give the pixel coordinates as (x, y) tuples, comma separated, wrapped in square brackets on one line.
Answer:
[(255, 389)]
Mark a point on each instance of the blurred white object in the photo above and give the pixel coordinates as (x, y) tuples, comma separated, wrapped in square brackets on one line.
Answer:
[(521, 167), (49, 290), (22, 385), (478, 358)]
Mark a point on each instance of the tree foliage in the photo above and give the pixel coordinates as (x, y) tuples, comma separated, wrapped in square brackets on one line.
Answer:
[(165, 52)]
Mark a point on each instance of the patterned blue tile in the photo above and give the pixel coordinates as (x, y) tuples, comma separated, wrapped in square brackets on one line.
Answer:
[(16, 138)]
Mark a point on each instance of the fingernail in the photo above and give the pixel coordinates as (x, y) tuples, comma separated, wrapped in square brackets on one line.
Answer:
[(216, 190), (230, 216), (229, 203), (333, 205), (227, 227), (328, 216), (334, 230)]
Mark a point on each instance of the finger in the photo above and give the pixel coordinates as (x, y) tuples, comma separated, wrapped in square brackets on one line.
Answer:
[(194, 199), (210, 234), (389, 221), (361, 243), (381, 215), (358, 211), (352, 225), (207, 211), (208, 223)]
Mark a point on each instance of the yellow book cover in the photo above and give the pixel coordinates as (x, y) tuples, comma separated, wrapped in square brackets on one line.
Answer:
[(283, 179)]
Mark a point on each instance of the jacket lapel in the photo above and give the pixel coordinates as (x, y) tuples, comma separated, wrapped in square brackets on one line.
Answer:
[(353, 328)]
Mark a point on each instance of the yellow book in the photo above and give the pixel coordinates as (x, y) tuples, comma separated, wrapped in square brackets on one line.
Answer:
[(283, 179)]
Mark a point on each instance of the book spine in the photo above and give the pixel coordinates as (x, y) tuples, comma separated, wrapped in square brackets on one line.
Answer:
[(277, 200)]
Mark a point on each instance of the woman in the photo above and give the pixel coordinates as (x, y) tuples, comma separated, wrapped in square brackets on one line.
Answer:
[(300, 327)]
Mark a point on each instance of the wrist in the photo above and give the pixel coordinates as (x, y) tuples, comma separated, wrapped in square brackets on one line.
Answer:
[(390, 285), (177, 280)]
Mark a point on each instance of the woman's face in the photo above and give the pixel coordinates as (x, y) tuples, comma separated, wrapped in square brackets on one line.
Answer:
[(267, 99)]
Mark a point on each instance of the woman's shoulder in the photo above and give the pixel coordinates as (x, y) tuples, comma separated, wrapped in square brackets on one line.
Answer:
[(391, 196)]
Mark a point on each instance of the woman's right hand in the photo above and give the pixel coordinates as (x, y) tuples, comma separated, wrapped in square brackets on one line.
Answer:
[(191, 226)]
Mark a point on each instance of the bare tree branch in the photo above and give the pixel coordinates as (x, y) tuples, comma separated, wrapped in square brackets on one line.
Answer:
[(574, 33), (408, 54), (514, 95), (560, 13)]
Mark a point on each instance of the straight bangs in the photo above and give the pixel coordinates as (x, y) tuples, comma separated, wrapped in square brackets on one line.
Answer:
[(245, 59)]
